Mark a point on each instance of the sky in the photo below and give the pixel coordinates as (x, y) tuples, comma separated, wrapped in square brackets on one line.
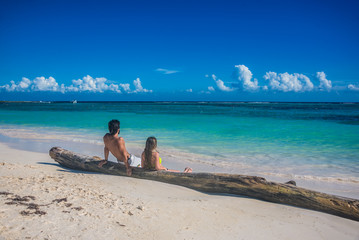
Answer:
[(179, 50)]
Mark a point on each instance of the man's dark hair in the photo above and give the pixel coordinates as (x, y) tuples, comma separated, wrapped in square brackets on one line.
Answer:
[(113, 126)]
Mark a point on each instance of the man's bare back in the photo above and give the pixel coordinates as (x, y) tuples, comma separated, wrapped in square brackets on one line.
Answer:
[(116, 145)]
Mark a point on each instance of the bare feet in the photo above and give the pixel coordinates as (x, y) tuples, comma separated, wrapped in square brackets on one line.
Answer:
[(102, 162), (187, 170)]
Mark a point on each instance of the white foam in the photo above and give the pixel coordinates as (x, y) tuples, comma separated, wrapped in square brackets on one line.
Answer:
[(47, 134)]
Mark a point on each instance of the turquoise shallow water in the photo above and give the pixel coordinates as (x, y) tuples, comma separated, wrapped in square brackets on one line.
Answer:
[(309, 140)]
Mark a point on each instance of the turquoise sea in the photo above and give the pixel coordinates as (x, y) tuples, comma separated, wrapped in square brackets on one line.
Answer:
[(316, 144)]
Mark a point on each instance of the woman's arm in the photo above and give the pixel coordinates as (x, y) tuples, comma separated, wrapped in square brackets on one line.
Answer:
[(143, 159), (159, 166)]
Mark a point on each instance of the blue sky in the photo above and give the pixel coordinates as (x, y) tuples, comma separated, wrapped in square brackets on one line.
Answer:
[(179, 50)]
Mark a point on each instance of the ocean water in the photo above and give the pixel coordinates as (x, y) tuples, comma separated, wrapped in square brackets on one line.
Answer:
[(316, 144)]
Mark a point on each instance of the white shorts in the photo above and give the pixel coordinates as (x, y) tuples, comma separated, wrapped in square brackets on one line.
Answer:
[(134, 161)]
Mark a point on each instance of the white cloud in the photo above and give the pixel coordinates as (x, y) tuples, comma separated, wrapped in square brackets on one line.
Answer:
[(38, 84), (138, 86), (325, 84), (289, 82), (210, 88), (245, 76), (166, 71), (25, 83), (21, 87), (62, 88), (353, 87), (221, 86), (45, 84), (72, 89), (125, 87), (86, 84), (114, 88), (89, 84), (189, 90)]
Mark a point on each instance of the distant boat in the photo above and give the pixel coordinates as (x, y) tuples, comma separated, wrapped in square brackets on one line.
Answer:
[(74, 101)]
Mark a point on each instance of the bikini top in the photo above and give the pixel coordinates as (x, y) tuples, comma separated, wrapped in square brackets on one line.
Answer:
[(153, 167)]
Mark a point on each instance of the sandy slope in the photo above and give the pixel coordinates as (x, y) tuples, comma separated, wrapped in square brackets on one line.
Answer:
[(41, 200)]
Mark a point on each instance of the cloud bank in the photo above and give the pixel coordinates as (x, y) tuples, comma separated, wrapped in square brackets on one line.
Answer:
[(277, 82), (86, 84), (38, 84)]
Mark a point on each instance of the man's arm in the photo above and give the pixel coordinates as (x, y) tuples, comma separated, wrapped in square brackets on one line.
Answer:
[(106, 153), (128, 168), (124, 153)]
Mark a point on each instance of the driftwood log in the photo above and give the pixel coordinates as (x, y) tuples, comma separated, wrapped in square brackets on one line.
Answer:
[(251, 186)]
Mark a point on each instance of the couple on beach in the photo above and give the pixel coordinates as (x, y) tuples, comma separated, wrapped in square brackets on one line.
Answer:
[(150, 158)]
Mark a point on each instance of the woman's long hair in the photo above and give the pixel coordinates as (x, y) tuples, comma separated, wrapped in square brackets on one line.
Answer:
[(151, 145)]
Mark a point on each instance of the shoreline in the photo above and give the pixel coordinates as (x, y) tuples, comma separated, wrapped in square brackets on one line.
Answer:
[(88, 205)]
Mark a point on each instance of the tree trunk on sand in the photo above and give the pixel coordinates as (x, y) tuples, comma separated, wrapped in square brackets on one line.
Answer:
[(251, 186)]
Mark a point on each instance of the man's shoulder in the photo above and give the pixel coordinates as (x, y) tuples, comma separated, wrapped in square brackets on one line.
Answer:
[(111, 138), (120, 140)]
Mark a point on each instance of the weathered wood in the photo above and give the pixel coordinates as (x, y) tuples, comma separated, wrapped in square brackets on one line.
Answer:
[(251, 186)]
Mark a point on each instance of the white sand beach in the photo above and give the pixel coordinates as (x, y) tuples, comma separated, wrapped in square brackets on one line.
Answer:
[(41, 200)]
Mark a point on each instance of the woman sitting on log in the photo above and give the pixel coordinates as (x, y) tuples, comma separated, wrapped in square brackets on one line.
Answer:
[(151, 160)]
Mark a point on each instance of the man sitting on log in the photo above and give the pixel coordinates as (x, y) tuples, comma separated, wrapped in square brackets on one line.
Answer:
[(116, 145)]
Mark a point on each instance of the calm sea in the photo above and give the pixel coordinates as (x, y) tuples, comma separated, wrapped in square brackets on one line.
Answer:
[(308, 142)]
